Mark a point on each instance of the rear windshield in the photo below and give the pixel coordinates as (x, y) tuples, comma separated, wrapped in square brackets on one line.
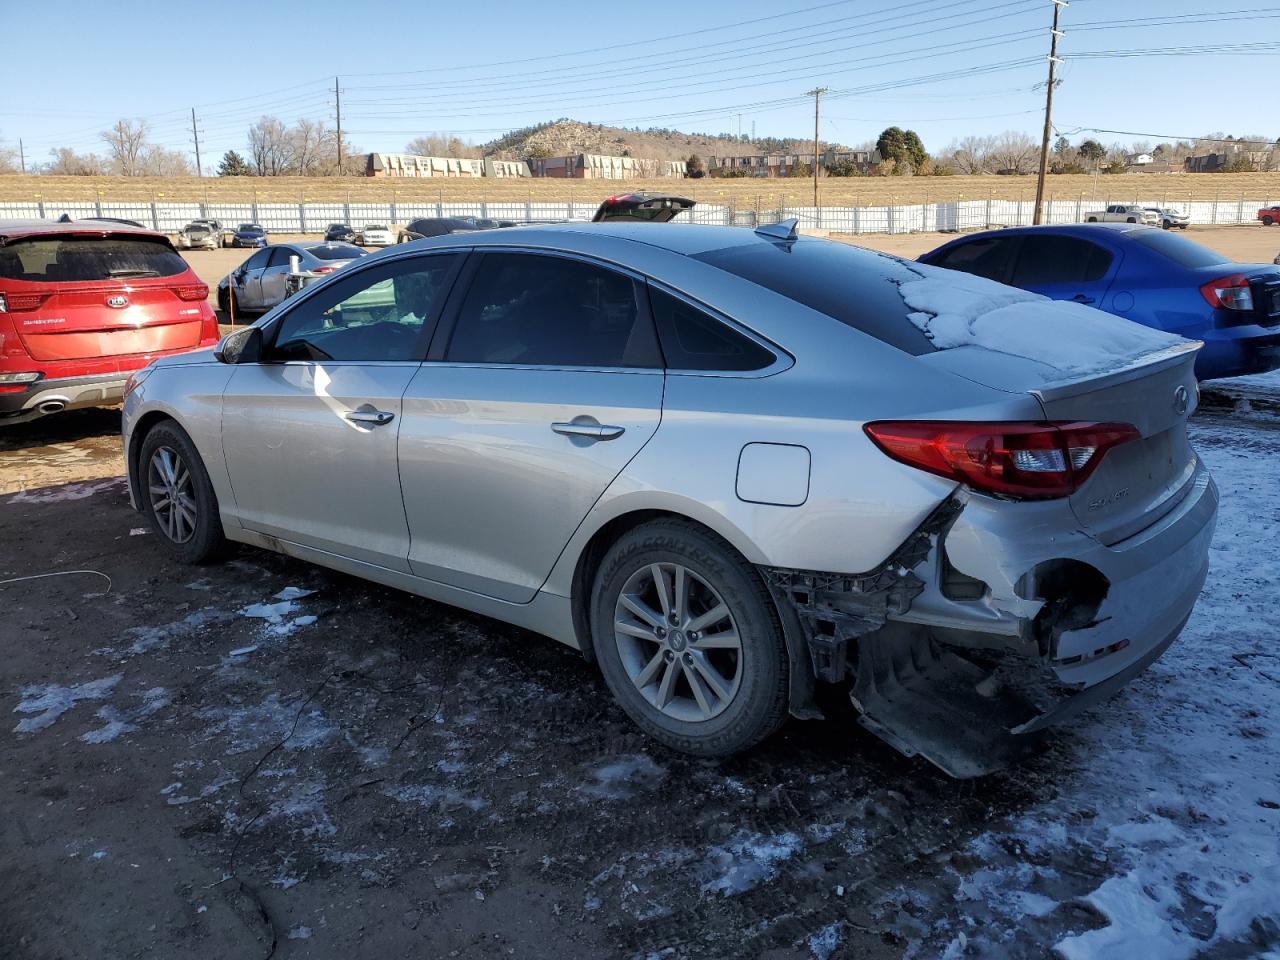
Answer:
[(1180, 250), (336, 251), (67, 259), (845, 283)]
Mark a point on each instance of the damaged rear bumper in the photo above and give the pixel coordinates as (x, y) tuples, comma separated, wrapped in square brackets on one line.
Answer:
[(1065, 619)]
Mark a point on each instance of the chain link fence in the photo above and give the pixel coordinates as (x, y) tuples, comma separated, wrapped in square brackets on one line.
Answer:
[(313, 218)]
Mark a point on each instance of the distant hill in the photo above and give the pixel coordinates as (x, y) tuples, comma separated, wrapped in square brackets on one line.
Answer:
[(563, 137)]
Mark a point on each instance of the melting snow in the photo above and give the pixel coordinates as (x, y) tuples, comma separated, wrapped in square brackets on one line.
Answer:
[(116, 723), (68, 491), (959, 310), (621, 780), (746, 859), (52, 700)]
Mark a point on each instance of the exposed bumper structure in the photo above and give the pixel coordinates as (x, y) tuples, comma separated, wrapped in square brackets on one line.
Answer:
[(67, 393), (1057, 624)]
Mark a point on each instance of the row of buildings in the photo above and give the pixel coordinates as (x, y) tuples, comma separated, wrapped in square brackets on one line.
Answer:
[(593, 166)]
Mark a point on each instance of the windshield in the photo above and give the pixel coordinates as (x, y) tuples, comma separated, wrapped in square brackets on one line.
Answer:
[(249, 228), (336, 251), (1180, 250), (70, 259), (375, 226)]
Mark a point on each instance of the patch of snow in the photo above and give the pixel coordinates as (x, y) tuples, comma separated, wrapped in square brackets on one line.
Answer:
[(824, 943), (1168, 794), (746, 859), (621, 780), (138, 531), (66, 492), (149, 638), (242, 651), (117, 723), (293, 593), (273, 612), (428, 795), (955, 309), (50, 701)]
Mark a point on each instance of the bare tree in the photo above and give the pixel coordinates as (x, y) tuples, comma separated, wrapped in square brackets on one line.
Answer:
[(270, 147), (126, 140), (8, 160), (308, 144), (157, 161), (66, 162), (1014, 151), (438, 145), (971, 154)]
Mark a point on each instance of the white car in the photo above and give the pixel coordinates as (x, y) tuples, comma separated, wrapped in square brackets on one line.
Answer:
[(1124, 213), (1170, 217), (375, 235)]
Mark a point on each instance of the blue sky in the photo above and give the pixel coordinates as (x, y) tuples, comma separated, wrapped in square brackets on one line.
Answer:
[(943, 67)]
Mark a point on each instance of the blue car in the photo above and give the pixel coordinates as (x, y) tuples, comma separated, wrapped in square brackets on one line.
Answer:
[(1143, 274), (249, 235)]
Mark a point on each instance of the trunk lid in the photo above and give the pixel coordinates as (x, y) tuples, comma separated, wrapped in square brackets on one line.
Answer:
[(1137, 482), (641, 207)]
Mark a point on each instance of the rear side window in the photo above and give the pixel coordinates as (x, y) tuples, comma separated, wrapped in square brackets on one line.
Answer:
[(72, 259), (280, 256), (847, 284), (553, 311), (1045, 260), (694, 340), (1180, 250), (988, 257)]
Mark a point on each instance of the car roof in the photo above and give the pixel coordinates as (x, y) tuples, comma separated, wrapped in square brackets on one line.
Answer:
[(13, 229), (684, 238), (1060, 229)]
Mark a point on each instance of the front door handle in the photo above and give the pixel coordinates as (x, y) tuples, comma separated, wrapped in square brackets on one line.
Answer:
[(589, 430), (373, 418)]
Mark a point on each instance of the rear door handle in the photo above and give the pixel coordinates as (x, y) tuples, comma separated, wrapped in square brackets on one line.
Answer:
[(374, 418), (591, 431), (1082, 298)]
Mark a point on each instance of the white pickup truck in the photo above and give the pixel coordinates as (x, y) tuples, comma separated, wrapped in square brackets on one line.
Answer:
[(1123, 213)]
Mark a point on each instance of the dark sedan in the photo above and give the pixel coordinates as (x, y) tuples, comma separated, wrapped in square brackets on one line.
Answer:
[(1143, 274), (339, 233), (249, 235)]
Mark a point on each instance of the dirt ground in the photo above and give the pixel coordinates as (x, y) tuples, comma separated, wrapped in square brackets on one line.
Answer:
[(1253, 188)]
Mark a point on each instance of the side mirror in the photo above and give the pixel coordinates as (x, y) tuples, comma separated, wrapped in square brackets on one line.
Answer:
[(243, 346)]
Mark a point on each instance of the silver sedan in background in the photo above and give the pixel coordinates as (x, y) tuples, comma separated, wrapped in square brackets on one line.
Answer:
[(261, 281), (727, 465)]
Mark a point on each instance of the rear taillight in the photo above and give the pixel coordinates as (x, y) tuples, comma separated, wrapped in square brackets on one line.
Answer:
[(1026, 461), (192, 291), (10, 302), (1229, 293)]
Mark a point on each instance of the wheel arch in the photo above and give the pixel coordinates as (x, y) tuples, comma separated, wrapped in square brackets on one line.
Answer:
[(146, 423), (801, 682)]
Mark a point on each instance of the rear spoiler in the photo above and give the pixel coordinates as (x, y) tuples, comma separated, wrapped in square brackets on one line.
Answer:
[(1138, 367)]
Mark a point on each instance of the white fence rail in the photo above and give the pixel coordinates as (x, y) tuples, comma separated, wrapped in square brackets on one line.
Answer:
[(909, 218)]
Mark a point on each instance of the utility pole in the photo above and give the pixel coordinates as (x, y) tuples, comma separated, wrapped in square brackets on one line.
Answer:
[(816, 93), (22, 156), (1054, 33), (195, 135), (337, 103)]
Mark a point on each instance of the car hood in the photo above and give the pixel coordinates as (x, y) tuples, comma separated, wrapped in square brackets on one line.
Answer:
[(204, 356)]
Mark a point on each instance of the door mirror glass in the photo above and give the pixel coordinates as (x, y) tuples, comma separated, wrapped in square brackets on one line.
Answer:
[(243, 346)]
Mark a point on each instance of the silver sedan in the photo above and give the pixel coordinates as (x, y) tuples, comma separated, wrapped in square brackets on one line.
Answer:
[(261, 281), (728, 466)]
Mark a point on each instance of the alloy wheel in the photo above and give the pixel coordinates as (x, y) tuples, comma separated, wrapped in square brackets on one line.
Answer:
[(678, 642), (172, 493)]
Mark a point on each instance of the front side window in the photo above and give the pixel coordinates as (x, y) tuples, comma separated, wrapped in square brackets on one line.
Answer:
[(280, 256), (382, 314), (552, 311), (258, 260)]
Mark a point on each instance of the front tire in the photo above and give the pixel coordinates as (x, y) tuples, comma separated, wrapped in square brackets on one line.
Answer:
[(688, 639), (177, 495), (1093, 220), (1267, 221), (1131, 220)]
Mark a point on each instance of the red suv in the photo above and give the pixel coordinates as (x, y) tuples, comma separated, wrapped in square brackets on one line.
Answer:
[(84, 305)]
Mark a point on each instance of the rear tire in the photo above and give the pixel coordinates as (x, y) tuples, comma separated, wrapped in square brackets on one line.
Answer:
[(177, 495), (699, 663), (1093, 220), (1131, 220)]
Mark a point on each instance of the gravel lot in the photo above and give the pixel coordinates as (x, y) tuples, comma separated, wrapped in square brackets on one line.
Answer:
[(201, 761)]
